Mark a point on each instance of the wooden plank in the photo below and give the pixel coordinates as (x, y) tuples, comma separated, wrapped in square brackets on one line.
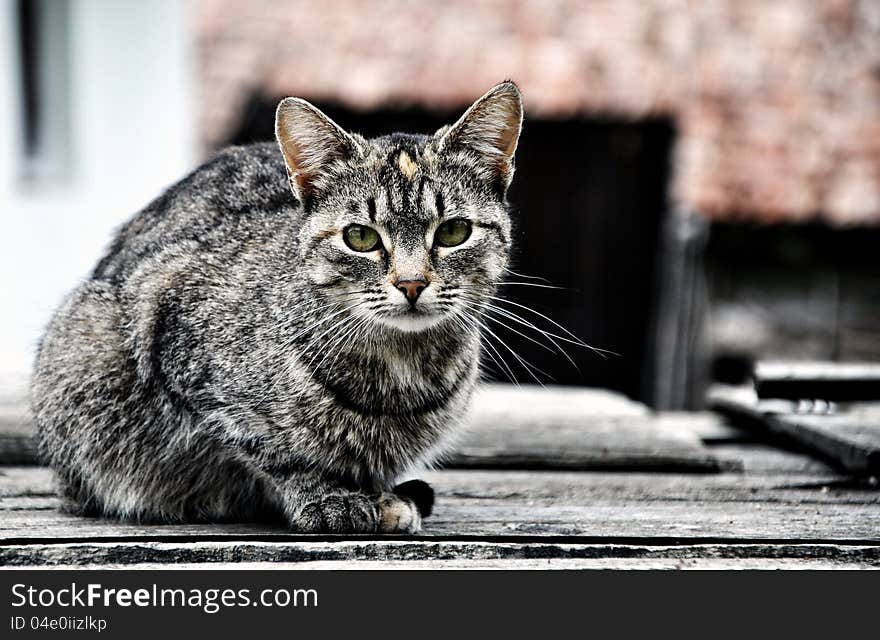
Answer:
[(520, 427), (844, 561), (850, 441), (437, 554), (528, 505), (838, 381), (572, 428)]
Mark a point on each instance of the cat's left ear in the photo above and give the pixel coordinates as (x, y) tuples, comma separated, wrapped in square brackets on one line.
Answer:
[(489, 132), (313, 146)]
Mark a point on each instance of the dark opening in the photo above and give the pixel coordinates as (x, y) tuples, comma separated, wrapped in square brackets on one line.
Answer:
[(794, 292), (588, 200)]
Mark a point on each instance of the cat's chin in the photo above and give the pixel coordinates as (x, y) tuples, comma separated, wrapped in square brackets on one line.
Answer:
[(411, 322)]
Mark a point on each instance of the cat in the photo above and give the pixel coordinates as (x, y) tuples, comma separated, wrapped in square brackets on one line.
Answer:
[(286, 331)]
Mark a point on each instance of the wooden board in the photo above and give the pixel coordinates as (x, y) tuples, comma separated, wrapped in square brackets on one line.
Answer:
[(535, 505), (784, 511), (413, 554), (840, 381), (523, 427), (560, 428), (850, 440), (502, 520)]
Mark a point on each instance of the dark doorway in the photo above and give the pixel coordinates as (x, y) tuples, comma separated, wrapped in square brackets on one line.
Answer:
[(588, 201)]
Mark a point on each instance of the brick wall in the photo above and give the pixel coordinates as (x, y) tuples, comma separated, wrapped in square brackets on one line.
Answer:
[(777, 102)]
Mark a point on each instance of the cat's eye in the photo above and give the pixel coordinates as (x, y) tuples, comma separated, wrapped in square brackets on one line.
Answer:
[(452, 232), (361, 238)]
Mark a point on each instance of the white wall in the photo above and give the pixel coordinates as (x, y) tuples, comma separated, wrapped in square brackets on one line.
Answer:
[(132, 134)]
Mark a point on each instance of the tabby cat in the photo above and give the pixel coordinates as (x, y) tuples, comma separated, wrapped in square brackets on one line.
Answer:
[(285, 334)]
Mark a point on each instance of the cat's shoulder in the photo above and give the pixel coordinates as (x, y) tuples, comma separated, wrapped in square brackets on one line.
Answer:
[(239, 191)]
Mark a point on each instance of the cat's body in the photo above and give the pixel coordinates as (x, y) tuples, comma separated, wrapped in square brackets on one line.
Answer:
[(240, 353)]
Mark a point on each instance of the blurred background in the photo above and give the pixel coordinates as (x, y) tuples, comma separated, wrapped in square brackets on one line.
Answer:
[(702, 179)]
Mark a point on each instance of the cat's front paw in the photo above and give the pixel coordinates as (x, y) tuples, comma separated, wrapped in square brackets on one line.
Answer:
[(337, 513), (398, 514)]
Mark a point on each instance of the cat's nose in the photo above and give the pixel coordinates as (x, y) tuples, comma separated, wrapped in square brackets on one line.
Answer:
[(413, 288)]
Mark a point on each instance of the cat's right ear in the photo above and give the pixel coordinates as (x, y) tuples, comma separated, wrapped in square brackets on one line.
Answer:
[(312, 145)]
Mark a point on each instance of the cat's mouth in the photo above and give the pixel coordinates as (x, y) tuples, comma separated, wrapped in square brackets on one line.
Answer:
[(413, 319)]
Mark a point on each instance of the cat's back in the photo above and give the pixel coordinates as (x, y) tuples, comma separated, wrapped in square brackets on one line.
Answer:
[(238, 195)]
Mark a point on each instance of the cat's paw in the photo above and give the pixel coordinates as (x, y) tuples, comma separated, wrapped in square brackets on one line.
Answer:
[(398, 514), (337, 513)]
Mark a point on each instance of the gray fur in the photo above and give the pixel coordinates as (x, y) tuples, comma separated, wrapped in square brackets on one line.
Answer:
[(230, 358)]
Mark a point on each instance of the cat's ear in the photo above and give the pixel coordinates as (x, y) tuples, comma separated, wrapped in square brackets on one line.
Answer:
[(489, 132), (312, 144)]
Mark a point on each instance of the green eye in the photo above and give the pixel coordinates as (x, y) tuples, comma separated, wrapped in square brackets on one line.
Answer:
[(452, 232), (361, 238)]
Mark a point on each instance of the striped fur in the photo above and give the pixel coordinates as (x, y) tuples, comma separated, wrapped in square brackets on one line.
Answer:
[(230, 358)]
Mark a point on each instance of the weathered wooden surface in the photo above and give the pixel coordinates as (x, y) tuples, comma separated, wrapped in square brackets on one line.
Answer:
[(624, 557), (440, 554), (521, 427), (785, 508), (851, 440), (764, 507), (540, 504), (841, 381)]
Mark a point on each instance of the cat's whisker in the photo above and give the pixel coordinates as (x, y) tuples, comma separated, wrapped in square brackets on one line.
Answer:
[(487, 343), (522, 275), (291, 365), (356, 333), (323, 320), (285, 346), (348, 337), (528, 366), (551, 337), (352, 333), (574, 339), (289, 342), (487, 309), (525, 364), (317, 339), (529, 284)]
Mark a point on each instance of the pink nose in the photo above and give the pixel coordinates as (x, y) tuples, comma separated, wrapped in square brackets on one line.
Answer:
[(412, 289)]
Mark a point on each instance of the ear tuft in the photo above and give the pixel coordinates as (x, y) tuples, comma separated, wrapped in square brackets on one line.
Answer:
[(490, 130), (311, 144)]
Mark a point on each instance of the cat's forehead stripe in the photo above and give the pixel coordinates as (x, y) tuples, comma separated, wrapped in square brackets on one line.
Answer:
[(407, 165)]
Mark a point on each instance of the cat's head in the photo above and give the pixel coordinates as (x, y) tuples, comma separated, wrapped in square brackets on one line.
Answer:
[(408, 231)]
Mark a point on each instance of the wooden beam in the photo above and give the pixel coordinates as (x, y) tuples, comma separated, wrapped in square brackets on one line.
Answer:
[(850, 441), (838, 381)]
